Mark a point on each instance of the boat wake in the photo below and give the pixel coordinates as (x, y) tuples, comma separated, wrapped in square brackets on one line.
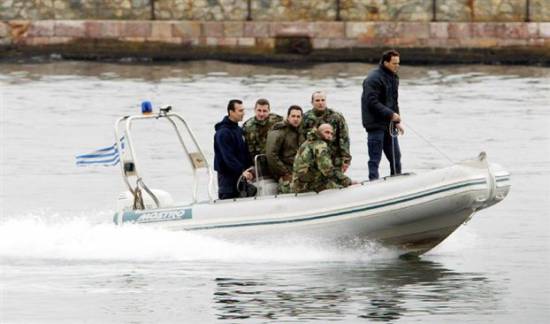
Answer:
[(49, 235)]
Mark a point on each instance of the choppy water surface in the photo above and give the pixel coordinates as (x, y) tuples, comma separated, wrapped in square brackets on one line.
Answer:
[(63, 261)]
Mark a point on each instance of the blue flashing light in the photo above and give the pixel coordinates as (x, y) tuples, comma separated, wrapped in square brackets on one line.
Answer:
[(146, 107)]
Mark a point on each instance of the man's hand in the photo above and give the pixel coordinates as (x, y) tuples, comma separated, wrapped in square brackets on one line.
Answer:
[(248, 174), (400, 128), (345, 167), (395, 118), (287, 177)]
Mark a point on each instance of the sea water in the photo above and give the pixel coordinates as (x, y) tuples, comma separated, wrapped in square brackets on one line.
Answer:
[(63, 261)]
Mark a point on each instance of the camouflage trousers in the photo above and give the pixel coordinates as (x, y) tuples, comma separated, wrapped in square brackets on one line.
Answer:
[(283, 186), (316, 186)]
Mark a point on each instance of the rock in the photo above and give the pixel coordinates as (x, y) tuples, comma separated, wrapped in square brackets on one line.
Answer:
[(4, 31)]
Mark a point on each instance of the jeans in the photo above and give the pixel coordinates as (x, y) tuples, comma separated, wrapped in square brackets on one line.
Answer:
[(377, 142)]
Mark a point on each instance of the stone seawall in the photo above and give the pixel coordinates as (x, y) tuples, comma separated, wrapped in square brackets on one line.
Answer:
[(420, 42), (280, 10)]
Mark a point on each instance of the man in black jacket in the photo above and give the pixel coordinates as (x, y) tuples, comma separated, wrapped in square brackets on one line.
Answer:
[(231, 158), (379, 108)]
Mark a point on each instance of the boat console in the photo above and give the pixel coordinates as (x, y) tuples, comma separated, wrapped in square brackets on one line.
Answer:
[(139, 196)]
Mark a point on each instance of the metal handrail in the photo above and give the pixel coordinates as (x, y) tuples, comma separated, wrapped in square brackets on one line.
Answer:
[(206, 165), (131, 153), (257, 165), (133, 156), (195, 184), (121, 156)]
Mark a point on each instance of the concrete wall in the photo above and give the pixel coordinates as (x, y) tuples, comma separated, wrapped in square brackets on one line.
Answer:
[(279, 10), (513, 42), (279, 30)]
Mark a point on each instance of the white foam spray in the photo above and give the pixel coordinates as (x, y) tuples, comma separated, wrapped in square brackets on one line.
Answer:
[(53, 236)]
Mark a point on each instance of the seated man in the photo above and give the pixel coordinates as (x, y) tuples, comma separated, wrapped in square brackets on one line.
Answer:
[(319, 114), (313, 169), (283, 142)]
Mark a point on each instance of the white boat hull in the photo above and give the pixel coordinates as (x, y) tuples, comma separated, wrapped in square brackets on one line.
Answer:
[(411, 212)]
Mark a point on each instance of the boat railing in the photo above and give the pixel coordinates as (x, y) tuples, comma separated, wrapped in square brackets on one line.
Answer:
[(265, 181), (129, 162), (260, 167)]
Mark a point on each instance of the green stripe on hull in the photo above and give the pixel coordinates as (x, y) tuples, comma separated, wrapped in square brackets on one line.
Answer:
[(365, 208), (181, 214)]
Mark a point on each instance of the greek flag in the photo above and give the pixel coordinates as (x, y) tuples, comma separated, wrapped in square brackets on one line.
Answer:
[(106, 156)]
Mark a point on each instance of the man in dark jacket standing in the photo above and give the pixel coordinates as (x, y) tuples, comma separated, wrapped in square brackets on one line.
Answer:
[(379, 107), (231, 158)]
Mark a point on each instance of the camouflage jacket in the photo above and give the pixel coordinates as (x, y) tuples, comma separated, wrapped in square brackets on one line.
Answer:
[(282, 144), (255, 133), (339, 147), (313, 169)]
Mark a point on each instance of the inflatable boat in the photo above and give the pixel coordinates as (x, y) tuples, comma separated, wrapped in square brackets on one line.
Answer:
[(410, 212)]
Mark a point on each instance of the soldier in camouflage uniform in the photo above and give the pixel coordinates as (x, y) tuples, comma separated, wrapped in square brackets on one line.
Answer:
[(255, 129), (339, 147), (283, 141), (313, 169)]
